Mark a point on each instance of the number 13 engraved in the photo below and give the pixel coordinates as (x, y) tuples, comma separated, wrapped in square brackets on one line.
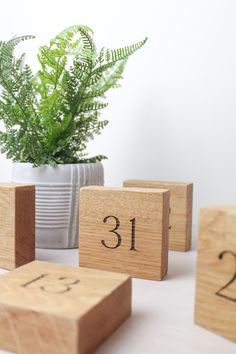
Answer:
[(117, 235), (65, 283)]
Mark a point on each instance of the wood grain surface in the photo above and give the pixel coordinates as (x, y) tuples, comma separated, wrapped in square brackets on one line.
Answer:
[(55, 309), (181, 199), (215, 306), (17, 225), (124, 230)]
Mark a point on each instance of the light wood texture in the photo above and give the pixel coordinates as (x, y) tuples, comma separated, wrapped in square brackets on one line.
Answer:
[(215, 306), (17, 225), (181, 199), (108, 219), (55, 309)]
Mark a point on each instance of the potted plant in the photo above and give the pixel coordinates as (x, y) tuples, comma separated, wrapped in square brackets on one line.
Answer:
[(49, 118)]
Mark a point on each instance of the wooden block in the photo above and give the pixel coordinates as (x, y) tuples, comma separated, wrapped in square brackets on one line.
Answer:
[(181, 199), (215, 305), (55, 309), (124, 230), (17, 225)]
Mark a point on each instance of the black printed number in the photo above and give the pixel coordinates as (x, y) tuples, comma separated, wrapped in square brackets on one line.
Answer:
[(132, 248), (113, 231), (117, 235), (64, 284), (220, 292)]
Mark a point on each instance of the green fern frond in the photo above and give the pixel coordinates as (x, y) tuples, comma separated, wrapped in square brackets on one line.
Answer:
[(7, 48), (93, 106), (101, 57), (121, 53), (69, 32), (88, 42), (112, 75), (85, 33)]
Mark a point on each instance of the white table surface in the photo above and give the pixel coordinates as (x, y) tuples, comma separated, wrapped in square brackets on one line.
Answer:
[(162, 316)]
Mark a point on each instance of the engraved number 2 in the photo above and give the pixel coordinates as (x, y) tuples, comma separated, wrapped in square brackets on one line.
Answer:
[(118, 236), (233, 278)]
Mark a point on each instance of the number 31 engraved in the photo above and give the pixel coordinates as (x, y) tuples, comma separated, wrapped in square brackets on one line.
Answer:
[(117, 235), (220, 292)]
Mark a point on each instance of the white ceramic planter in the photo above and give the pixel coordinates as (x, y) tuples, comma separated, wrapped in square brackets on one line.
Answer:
[(57, 199)]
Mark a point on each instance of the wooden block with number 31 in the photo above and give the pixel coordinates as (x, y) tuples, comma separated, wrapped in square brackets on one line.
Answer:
[(215, 306), (124, 230)]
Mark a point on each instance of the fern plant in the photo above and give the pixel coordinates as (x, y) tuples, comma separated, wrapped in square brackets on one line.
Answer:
[(50, 117)]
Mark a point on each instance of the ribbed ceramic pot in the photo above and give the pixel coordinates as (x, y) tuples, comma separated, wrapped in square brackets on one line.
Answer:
[(57, 199)]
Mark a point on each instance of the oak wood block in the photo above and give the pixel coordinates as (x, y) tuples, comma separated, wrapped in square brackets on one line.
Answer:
[(215, 305), (55, 309), (181, 199), (17, 225), (124, 230)]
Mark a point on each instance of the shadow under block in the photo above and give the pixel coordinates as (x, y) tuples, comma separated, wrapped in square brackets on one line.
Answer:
[(215, 304), (17, 225), (55, 309), (124, 230), (181, 199)]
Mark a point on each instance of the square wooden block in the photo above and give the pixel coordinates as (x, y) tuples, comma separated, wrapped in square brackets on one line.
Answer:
[(215, 306), (181, 199), (124, 230), (17, 225), (55, 309)]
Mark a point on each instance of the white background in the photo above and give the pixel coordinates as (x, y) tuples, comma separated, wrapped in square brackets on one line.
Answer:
[(175, 116), (173, 119)]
